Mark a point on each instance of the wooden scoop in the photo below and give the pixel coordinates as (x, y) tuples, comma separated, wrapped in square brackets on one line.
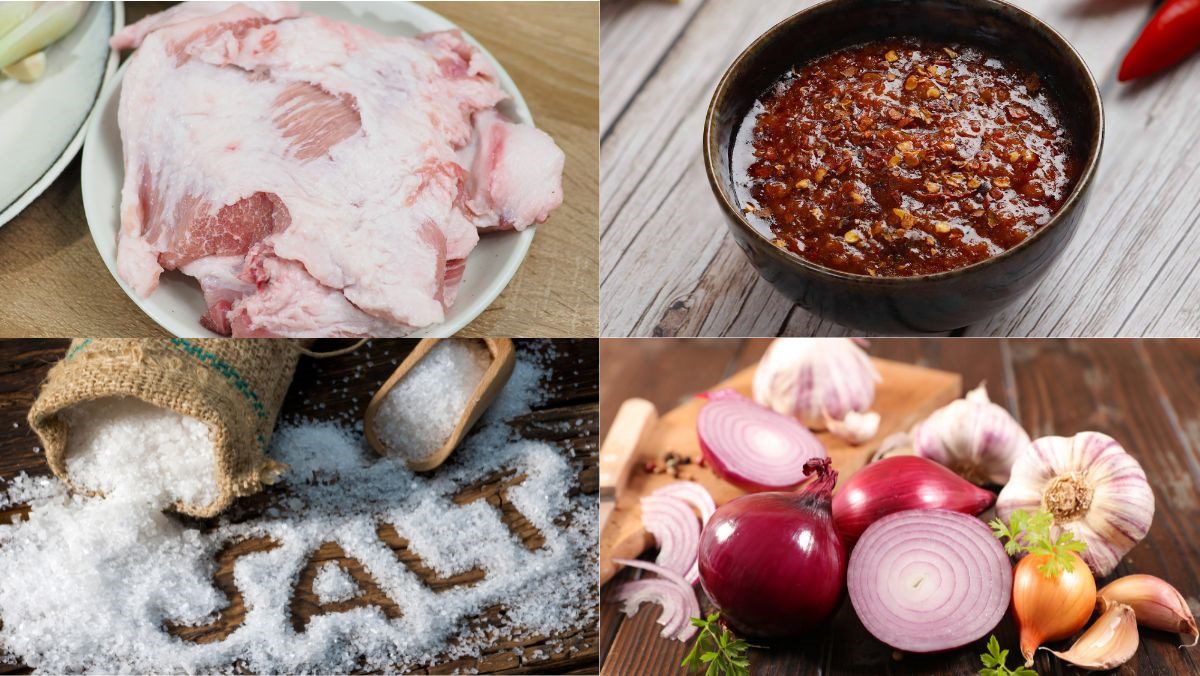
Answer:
[(504, 358)]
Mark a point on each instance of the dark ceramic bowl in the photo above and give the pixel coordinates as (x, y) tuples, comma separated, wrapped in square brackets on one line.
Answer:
[(925, 303)]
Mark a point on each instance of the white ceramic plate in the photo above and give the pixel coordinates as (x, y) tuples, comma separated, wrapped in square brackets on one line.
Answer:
[(42, 123), (178, 303)]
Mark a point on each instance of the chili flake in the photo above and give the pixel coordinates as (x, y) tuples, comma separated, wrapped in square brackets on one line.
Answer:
[(904, 157)]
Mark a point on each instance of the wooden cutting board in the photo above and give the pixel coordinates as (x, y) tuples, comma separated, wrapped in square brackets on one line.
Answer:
[(906, 395)]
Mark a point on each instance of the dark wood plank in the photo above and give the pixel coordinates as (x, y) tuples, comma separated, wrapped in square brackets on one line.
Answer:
[(339, 388)]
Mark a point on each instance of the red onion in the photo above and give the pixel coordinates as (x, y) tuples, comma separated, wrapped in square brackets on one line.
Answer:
[(772, 563), (692, 493), (899, 483), (678, 601), (927, 580), (752, 446), (677, 532), (685, 493)]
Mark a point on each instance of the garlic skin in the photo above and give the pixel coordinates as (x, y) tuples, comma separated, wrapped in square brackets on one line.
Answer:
[(1107, 644), (827, 383), (1156, 604), (977, 439), (1091, 486)]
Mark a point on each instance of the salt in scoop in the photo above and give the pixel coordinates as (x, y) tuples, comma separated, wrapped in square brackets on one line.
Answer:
[(499, 359)]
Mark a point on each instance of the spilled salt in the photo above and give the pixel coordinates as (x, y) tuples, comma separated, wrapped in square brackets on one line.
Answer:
[(87, 583), (162, 456), (334, 584), (419, 414)]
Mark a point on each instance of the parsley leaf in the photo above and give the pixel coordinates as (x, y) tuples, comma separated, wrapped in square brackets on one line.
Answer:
[(1031, 534), (716, 651), (995, 662)]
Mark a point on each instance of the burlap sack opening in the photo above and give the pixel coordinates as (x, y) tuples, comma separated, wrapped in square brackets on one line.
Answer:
[(235, 386)]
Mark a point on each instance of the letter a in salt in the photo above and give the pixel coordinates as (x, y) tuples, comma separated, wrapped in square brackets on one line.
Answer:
[(305, 603)]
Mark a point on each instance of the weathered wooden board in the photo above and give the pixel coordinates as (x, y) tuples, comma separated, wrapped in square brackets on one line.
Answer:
[(568, 420), (54, 282), (669, 268), (1144, 393), (906, 395)]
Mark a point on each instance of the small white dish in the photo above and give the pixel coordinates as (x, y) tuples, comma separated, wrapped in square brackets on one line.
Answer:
[(178, 303), (42, 123)]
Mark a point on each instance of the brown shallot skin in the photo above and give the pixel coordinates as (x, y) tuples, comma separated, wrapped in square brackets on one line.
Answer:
[(904, 157)]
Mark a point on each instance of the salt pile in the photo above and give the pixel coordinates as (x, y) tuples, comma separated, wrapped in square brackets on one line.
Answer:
[(87, 584), (420, 412), (334, 584), (163, 456)]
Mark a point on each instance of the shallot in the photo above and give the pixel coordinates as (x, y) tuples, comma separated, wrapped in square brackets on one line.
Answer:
[(1156, 604), (752, 446), (828, 383), (975, 438), (1053, 592), (1091, 487), (927, 580), (669, 590), (772, 563), (900, 483)]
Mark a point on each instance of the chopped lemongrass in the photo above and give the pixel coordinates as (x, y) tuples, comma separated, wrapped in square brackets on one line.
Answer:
[(48, 23), (13, 13)]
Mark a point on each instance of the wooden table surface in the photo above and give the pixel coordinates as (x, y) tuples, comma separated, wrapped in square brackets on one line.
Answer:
[(54, 282), (668, 266), (568, 420), (1145, 394)]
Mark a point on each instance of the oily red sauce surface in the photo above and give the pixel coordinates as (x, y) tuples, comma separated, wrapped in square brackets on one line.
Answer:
[(904, 157)]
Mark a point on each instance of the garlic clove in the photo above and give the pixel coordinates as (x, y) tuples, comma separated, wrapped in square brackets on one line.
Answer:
[(1155, 603), (855, 428), (1107, 644)]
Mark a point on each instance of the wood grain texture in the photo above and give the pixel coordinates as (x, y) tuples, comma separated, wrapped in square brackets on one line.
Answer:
[(568, 420), (1144, 393), (54, 282), (668, 267)]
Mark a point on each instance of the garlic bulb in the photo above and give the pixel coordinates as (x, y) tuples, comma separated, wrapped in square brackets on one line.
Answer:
[(1091, 486), (828, 383), (975, 438)]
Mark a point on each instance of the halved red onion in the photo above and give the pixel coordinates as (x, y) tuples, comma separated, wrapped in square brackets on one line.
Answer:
[(927, 580), (753, 446), (677, 532), (669, 590)]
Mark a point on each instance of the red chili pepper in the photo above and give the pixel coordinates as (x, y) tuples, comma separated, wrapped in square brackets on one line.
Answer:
[(1172, 34)]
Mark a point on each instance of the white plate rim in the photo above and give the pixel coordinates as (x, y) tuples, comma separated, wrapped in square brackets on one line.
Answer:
[(185, 329), (69, 152)]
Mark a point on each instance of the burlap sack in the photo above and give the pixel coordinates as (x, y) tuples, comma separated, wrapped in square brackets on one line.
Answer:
[(236, 386)]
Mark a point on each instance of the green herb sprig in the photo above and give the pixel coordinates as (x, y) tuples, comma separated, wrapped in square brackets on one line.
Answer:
[(995, 662), (1030, 533), (716, 651)]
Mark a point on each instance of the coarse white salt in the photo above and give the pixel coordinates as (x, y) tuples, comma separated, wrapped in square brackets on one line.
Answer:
[(87, 583), (333, 584), (419, 414), (133, 450)]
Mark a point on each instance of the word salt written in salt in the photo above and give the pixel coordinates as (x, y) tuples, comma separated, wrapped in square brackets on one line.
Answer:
[(88, 583)]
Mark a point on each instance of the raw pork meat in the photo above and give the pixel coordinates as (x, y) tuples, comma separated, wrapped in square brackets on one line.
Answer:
[(316, 178)]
